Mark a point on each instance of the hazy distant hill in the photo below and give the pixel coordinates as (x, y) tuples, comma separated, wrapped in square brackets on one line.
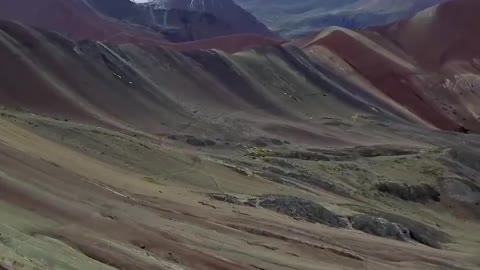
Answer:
[(293, 18)]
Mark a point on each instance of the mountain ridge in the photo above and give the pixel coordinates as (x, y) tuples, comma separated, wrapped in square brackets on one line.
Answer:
[(292, 19)]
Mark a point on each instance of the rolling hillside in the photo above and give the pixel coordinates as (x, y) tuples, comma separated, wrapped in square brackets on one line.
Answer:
[(438, 80), (345, 149)]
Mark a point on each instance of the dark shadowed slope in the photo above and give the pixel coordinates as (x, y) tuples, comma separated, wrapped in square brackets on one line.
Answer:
[(185, 20), (228, 11), (420, 63)]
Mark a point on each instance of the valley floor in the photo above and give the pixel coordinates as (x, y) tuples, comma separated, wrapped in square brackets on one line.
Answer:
[(75, 196)]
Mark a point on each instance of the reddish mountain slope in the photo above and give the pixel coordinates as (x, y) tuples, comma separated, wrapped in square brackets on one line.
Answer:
[(448, 32), (439, 87), (386, 71), (428, 64), (72, 18)]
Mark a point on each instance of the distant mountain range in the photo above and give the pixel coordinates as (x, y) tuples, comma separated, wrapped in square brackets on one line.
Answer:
[(296, 18), (187, 20), (174, 21)]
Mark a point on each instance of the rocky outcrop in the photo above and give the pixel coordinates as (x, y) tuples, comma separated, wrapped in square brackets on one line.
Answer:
[(302, 209), (380, 224), (192, 140), (291, 206), (399, 228), (415, 193), (380, 227)]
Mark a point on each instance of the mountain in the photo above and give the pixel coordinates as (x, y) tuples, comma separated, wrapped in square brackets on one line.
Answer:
[(73, 18), (91, 20), (185, 20), (423, 63), (296, 18), (122, 20), (211, 80), (439, 36), (240, 20), (238, 152)]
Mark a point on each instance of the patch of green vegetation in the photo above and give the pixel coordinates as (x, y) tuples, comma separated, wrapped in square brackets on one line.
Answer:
[(153, 180), (259, 152), (41, 252), (362, 174), (20, 249)]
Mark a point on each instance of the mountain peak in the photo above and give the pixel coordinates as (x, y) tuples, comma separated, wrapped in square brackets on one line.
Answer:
[(240, 20), (202, 5)]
